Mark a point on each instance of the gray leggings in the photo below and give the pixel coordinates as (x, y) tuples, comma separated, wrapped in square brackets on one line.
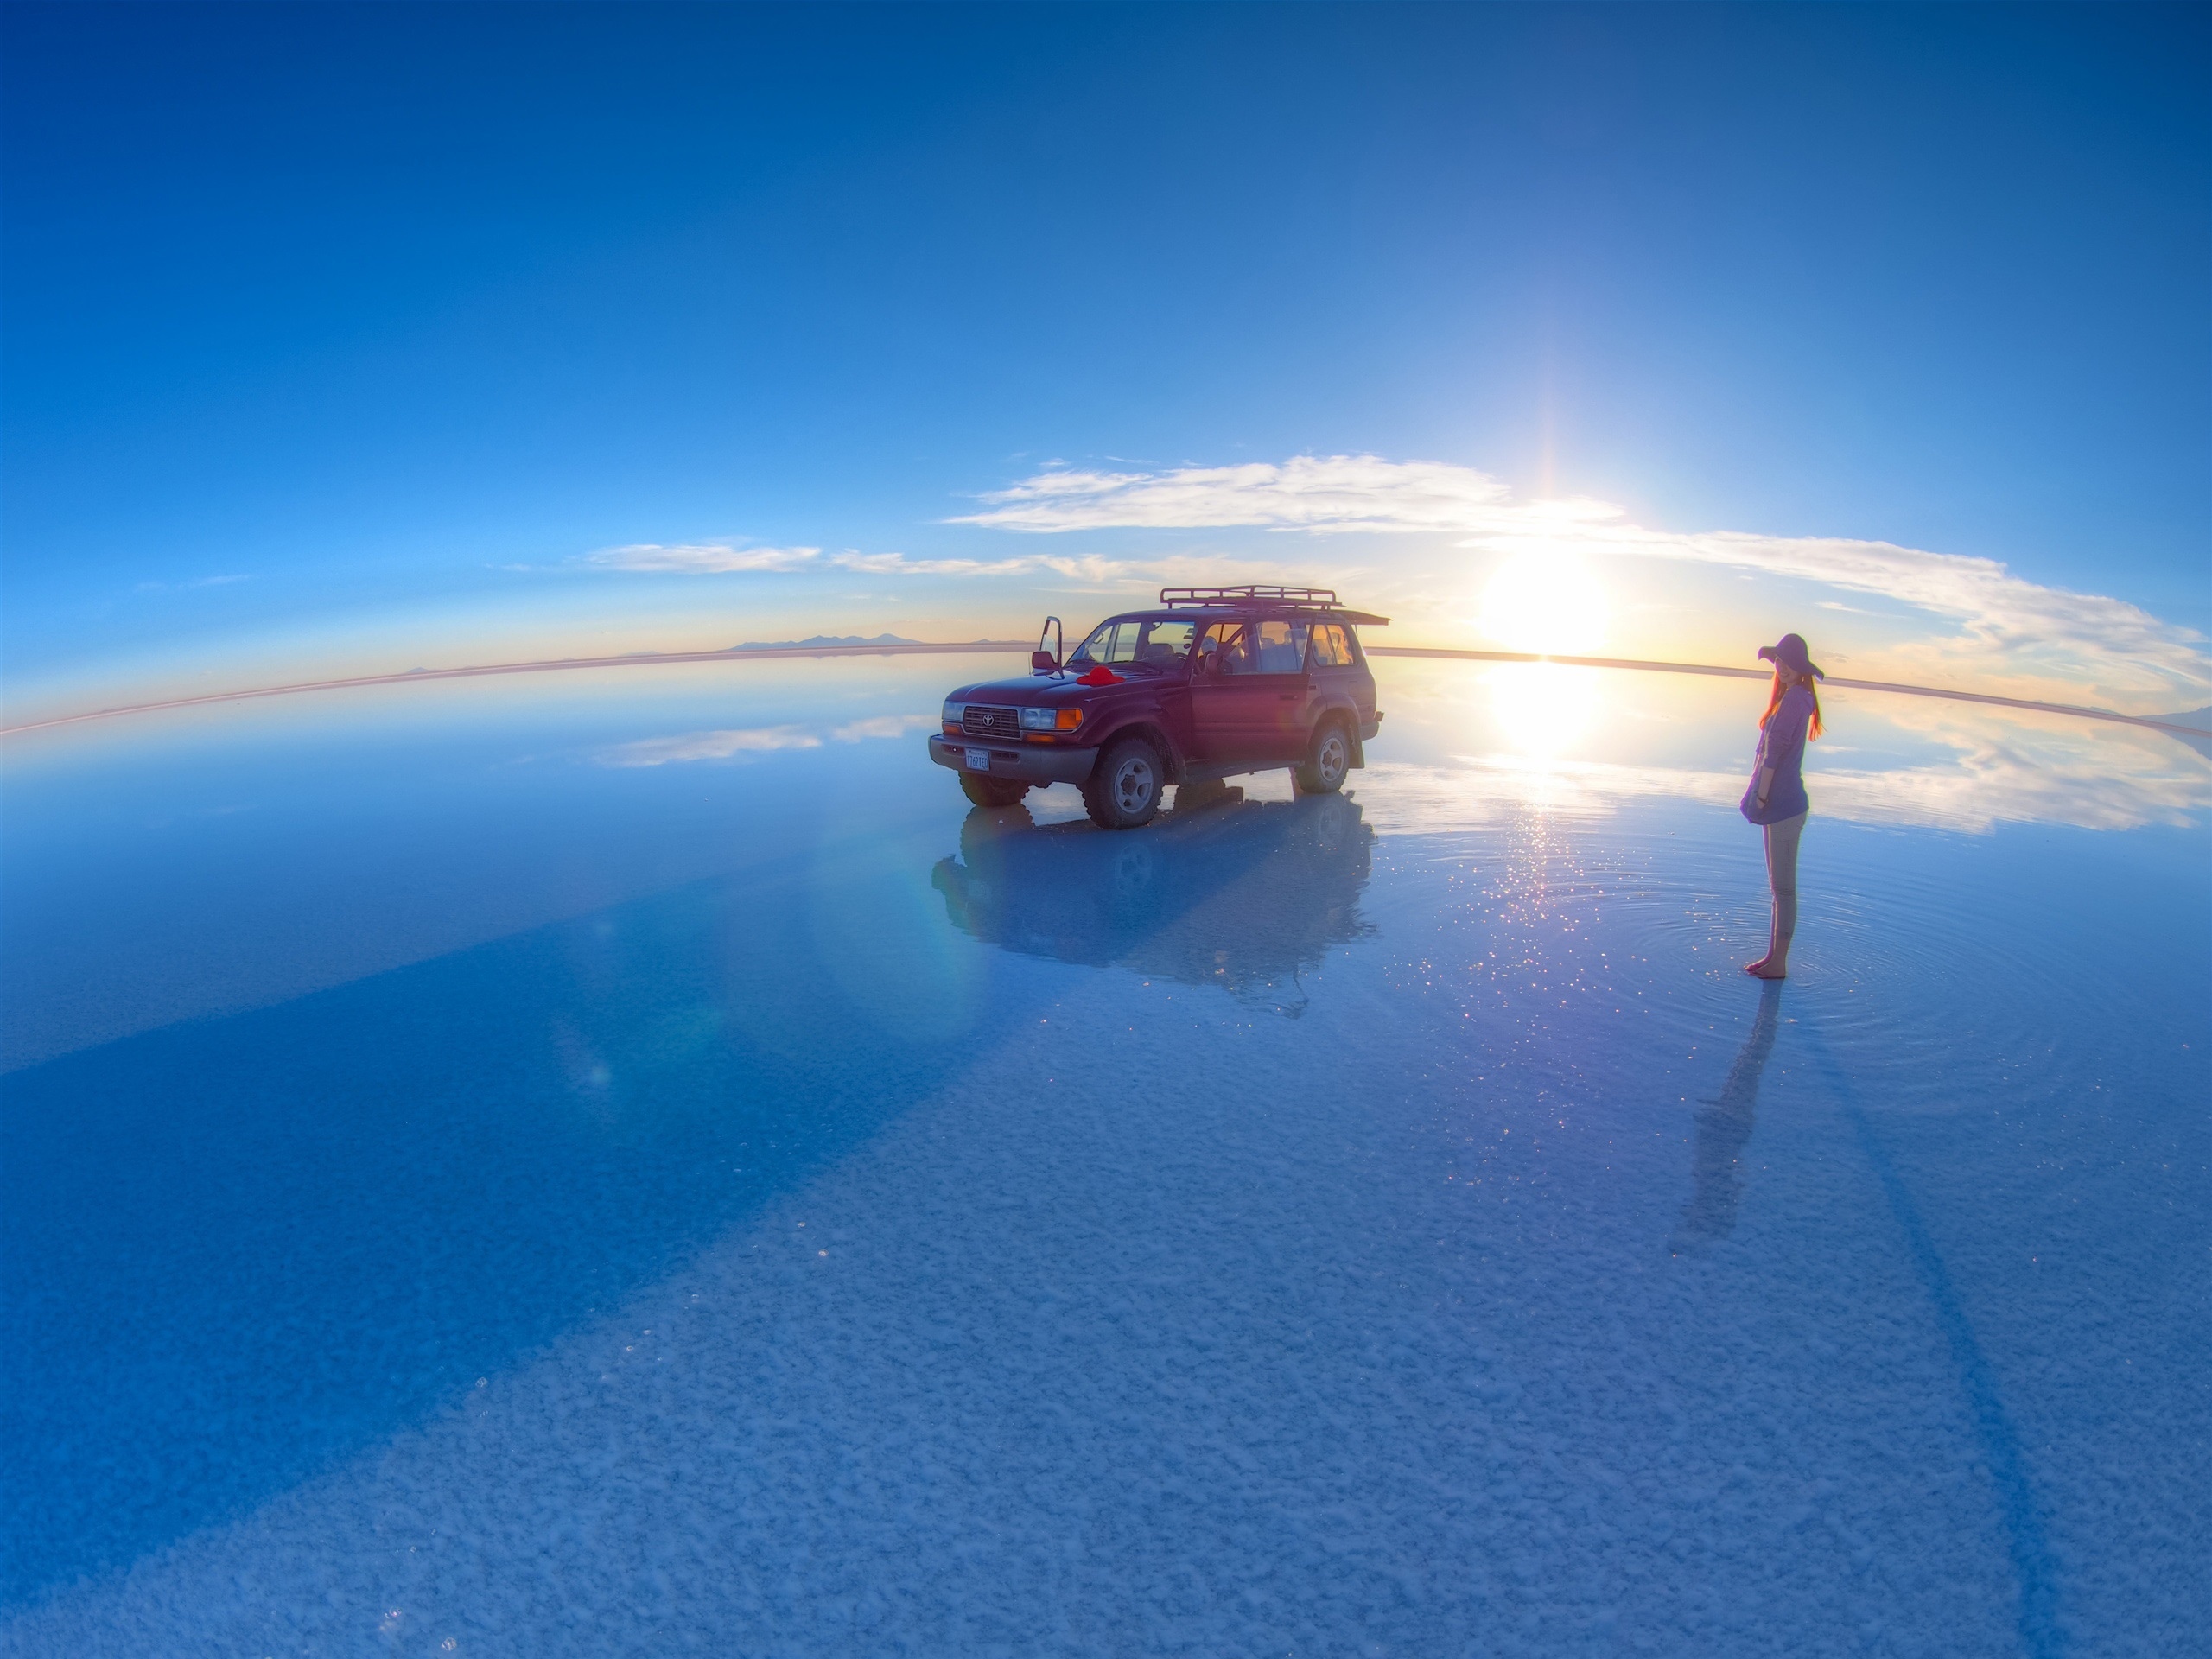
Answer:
[(1782, 876)]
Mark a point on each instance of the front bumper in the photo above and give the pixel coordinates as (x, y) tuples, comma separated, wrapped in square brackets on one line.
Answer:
[(1038, 764)]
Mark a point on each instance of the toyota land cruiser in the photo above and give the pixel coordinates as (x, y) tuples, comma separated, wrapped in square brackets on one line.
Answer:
[(1214, 682)]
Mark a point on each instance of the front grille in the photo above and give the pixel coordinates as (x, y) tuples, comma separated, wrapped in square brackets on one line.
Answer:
[(979, 720)]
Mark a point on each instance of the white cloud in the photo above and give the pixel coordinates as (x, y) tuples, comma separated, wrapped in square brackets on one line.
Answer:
[(898, 564), (1087, 569), (2002, 619), (188, 586), (718, 558), (2006, 626), (701, 559), (1086, 572), (1316, 492)]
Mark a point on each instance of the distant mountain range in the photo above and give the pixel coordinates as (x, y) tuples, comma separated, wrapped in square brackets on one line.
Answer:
[(821, 639)]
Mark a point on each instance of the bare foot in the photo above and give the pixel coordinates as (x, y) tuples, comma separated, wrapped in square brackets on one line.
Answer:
[(1766, 967)]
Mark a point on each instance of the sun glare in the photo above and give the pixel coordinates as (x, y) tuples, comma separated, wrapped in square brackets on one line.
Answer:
[(1548, 602), (1543, 710)]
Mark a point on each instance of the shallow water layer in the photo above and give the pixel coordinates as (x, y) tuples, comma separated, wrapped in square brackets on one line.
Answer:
[(637, 1166)]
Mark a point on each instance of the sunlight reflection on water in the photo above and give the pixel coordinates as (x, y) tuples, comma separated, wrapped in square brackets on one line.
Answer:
[(1542, 709)]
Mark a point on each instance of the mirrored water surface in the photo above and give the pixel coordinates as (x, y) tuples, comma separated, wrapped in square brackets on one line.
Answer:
[(629, 1162)]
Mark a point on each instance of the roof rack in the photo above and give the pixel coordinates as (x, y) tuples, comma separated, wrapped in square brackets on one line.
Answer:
[(1314, 598)]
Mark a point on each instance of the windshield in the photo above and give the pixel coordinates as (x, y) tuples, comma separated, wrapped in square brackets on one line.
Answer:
[(1137, 642)]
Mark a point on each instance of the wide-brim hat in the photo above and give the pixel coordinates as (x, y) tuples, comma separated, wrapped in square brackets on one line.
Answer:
[(1789, 652)]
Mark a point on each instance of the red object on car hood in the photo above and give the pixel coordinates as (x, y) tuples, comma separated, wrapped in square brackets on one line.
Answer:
[(1101, 675)]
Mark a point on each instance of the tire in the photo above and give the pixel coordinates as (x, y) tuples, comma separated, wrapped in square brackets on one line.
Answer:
[(1124, 788), (1327, 763), (991, 791)]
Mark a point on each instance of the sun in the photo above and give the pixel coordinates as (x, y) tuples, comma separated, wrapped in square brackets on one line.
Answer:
[(1546, 602)]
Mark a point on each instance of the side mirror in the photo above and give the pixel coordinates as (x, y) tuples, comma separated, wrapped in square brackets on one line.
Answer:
[(1043, 661)]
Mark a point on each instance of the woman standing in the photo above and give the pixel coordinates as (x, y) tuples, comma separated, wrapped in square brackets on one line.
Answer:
[(1775, 800)]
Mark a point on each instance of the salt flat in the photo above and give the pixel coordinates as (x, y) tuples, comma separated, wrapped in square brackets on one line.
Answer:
[(739, 1202)]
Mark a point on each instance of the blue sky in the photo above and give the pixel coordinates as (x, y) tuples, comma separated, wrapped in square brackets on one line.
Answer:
[(356, 338)]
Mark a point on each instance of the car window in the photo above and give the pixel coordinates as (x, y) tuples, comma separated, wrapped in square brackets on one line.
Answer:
[(1282, 646), (1110, 642), (1231, 643), (1331, 648), (1165, 642), (1132, 639)]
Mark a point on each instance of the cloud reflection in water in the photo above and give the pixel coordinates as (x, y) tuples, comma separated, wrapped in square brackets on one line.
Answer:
[(1973, 771)]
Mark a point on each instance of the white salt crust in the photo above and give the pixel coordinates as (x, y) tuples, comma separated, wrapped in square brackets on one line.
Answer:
[(1253, 1335)]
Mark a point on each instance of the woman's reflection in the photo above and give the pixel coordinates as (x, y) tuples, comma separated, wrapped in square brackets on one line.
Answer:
[(1222, 891), (1723, 1128)]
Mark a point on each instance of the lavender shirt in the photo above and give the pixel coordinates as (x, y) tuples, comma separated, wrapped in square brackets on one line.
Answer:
[(1781, 746)]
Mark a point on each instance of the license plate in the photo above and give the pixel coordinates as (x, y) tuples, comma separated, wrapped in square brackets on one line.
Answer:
[(979, 760)]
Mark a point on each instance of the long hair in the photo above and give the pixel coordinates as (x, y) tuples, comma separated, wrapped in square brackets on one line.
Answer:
[(1774, 701)]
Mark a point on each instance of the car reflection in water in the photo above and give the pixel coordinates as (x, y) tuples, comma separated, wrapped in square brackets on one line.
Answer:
[(1247, 895)]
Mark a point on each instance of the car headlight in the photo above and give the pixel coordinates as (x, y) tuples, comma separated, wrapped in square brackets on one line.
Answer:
[(1051, 720), (954, 712)]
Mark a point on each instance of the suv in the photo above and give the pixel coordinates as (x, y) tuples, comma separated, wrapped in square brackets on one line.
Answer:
[(1216, 682)]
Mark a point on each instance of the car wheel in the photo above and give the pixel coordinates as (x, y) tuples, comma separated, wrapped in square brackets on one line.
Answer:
[(991, 791), (1124, 788), (1326, 768)]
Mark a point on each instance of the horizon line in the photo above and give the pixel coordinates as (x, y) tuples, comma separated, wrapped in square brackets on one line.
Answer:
[(738, 654)]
